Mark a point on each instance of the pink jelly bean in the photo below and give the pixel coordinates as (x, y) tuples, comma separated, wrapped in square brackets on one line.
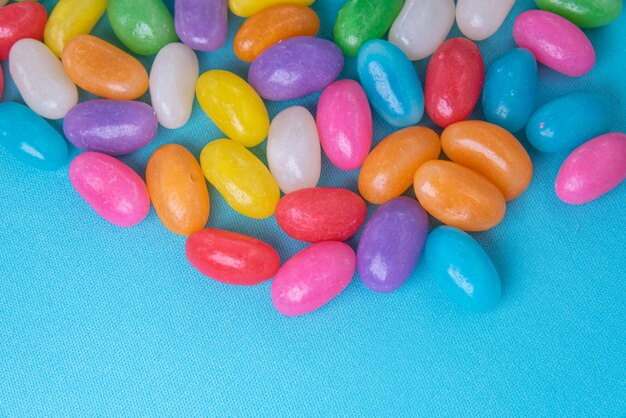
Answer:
[(111, 188), (344, 123), (555, 41), (313, 277), (593, 169)]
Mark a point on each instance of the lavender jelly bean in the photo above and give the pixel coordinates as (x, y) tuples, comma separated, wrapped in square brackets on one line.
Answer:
[(201, 24)]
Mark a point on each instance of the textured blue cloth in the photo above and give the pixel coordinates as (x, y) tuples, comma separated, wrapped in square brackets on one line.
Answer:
[(99, 320)]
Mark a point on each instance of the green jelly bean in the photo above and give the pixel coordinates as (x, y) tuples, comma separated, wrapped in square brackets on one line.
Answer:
[(144, 26), (584, 13), (362, 20)]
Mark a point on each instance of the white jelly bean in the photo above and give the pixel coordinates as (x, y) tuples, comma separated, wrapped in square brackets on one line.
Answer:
[(479, 19)]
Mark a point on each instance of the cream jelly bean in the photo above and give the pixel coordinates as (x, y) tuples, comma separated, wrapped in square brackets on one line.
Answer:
[(479, 19)]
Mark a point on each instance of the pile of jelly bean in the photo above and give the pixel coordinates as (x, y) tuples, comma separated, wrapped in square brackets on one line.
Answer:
[(486, 165)]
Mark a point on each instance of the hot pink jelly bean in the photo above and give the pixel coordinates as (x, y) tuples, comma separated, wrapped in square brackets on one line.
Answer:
[(593, 169)]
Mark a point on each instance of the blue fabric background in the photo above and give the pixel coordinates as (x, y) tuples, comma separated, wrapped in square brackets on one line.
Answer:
[(98, 320)]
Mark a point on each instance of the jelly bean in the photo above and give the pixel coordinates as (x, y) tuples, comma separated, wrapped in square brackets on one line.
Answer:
[(584, 13), (593, 169), (177, 189), (362, 20), (234, 106), (173, 84), (391, 244), (321, 214), (111, 188), (567, 122), (113, 127), (462, 269), (389, 169), (240, 177), (143, 26), (20, 21), (41, 79), (491, 151), (555, 42), (422, 26), (479, 19), (458, 196), (272, 25), (245, 8), (201, 24), (510, 89), (391, 83), (29, 137), (1, 82), (70, 18), (231, 258), (454, 79), (313, 277), (103, 69), (293, 150), (344, 122), (295, 67)]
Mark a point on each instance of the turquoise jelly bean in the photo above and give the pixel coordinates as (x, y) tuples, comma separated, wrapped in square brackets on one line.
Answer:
[(391, 83), (462, 268), (510, 89), (30, 138), (569, 121)]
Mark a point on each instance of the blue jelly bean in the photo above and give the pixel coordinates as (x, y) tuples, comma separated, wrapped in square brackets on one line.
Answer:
[(30, 138), (391, 83), (462, 268), (510, 89), (569, 121)]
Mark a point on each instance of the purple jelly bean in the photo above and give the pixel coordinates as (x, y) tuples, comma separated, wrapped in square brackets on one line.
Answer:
[(391, 244), (295, 67), (114, 127), (201, 24)]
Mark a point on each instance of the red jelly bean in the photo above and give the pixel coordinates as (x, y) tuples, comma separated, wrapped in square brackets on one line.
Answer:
[(454, 79), (231, 258), (19, 21), (321, 214)]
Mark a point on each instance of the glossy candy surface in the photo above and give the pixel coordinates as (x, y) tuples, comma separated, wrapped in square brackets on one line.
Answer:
[(344, 122), (479, 19), (245, 8), (391, 83), (20, 21), (313, 277), (201, 24), (389, 169), (454, 80), (113, 127), (584, 13), (555, 42), (177, 189), (566, 122), (391, 244), (458, 196), (111, 188), (234, 106), (462, 269), (295, 67), (240, 177), (293, 150), (230, 257), (70, 18), (593, 169), (272, 25)]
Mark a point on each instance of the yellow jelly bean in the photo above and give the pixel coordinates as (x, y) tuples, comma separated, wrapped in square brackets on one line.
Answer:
[(70, 18), (240, 177), (247, 8), (234, 106)]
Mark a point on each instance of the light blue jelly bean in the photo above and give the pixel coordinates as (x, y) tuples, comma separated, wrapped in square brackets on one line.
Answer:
[(569, 121), (510, 89), (30, 138), (391, 83), (462, 268)]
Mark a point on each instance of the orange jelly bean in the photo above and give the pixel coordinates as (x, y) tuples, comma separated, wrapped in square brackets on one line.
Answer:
[(272, 25), (103, 69), (458, 196), (177, 189), (491, 151), (389, 169)]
